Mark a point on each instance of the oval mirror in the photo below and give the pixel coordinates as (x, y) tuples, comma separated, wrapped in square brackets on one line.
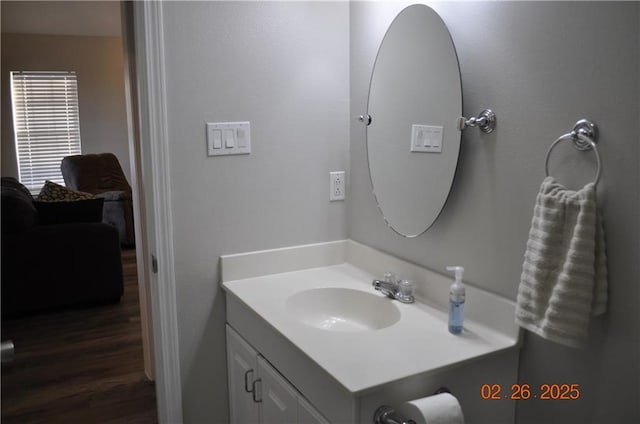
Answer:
[(415, 97)]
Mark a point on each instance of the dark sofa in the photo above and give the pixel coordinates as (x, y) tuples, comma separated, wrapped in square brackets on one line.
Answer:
[(55, 254), (101, 175)]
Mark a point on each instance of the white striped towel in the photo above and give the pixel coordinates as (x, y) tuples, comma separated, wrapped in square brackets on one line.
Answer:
[(564, 275)]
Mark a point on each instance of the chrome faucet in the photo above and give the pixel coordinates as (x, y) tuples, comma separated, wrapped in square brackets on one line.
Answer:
[(389, 288), (401, 290)]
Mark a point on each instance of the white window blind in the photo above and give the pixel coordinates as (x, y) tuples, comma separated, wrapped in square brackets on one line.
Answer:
[(46, 124)]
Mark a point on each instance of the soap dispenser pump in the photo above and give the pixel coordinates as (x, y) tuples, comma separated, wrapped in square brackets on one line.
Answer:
[(456, 301)]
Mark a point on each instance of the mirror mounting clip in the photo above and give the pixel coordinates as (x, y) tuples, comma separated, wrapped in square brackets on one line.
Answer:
[(365, 119), (486, 121)]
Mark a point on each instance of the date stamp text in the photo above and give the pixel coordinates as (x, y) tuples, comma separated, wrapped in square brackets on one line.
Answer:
[(524, 391)]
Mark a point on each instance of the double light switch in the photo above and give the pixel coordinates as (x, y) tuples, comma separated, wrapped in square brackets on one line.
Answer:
[(228, 138)]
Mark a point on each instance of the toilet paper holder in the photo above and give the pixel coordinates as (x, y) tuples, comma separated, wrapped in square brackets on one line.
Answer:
[(387, 415)]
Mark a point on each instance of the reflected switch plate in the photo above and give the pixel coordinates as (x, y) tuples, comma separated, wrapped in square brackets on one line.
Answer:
[(426, 138)]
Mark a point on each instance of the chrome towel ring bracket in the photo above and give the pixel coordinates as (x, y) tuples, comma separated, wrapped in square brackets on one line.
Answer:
[(584, 136)]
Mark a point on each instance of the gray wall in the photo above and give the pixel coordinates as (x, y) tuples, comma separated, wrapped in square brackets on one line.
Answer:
[(284, 68), (98, 62), (540, 66), (287, 68)]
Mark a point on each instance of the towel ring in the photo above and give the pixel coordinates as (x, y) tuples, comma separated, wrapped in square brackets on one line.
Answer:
[(584, 136)]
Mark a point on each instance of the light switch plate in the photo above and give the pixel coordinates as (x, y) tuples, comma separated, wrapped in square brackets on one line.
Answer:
[(426, 138), (228, 138)]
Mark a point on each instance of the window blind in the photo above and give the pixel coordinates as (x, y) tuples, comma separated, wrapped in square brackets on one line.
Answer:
[(46, 124)]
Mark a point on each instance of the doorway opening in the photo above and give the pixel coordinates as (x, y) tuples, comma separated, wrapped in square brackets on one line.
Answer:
[(84, 363)]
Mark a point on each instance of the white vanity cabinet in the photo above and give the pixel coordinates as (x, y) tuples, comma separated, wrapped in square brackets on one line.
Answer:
[(242, 366), (307, 414), (257, 391), (306, 373)]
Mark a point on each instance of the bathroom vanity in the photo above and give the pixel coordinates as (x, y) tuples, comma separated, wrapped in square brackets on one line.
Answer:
[(309, 340)]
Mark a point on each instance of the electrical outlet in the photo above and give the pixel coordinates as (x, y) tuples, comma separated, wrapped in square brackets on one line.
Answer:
[(336, 185)]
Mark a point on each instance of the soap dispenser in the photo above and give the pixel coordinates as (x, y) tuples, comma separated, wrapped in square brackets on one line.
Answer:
[(456, 301)]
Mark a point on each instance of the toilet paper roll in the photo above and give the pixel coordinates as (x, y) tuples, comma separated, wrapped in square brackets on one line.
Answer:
[(442, 408)]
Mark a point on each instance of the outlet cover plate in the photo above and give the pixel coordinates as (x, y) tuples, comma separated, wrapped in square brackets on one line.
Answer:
[(337, 185)]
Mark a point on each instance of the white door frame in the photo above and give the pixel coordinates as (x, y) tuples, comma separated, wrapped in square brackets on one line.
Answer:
[(149, 57), (137, 188)]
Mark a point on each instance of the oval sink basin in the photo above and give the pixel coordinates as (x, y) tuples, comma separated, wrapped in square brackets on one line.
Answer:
[(339, 309)]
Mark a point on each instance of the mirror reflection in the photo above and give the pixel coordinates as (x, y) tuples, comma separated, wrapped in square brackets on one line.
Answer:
[(415, 97)]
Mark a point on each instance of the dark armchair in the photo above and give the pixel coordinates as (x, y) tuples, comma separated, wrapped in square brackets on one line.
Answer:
[(55, 254), (101, 175)]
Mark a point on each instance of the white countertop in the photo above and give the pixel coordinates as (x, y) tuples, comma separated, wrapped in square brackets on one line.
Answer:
[(419, 342)]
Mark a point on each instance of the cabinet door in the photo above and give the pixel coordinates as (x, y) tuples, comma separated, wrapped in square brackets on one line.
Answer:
[(242, 372), (307, 414), (279, 400)]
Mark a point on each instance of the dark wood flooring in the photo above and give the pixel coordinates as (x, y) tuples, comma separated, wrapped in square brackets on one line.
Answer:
[(81, 365)]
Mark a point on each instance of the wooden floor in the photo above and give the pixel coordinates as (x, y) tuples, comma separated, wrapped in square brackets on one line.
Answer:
[(80, 366)]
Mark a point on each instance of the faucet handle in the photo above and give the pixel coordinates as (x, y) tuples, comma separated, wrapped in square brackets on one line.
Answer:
[(390, 277), (405, 291)]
